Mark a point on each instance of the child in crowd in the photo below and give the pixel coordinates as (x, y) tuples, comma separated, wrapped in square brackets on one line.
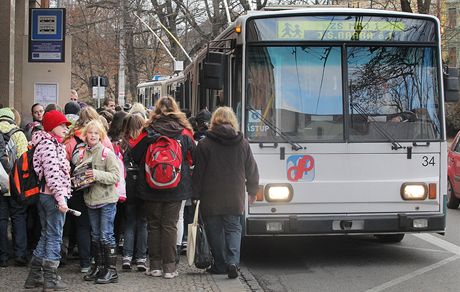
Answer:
[(101, 199), (135, 227), (50, 164)]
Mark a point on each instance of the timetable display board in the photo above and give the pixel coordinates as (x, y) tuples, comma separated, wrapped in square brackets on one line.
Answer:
[(47, 35)]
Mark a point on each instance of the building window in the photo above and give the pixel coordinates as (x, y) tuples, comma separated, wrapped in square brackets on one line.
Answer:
[(452, 57), (452, 18)]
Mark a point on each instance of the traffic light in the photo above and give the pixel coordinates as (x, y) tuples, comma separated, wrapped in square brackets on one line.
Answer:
[(93, 80), (103, 81)]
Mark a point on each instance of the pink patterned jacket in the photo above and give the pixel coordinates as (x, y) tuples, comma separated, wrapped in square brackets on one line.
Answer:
[(50, 161)]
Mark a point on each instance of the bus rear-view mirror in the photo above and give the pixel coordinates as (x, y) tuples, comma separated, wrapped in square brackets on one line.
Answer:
[(213, 71), (451, 85)]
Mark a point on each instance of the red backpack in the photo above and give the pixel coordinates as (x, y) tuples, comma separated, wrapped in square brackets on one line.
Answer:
[(163, 162)]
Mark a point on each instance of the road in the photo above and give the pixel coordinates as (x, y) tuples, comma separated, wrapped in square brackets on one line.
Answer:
[(422, 262)]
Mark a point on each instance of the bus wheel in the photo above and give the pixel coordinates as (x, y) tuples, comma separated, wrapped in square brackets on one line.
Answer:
[(390, 238), (452, 200)]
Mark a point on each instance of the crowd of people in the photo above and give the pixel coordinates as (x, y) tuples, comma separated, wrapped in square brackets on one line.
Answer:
[(120, 203)]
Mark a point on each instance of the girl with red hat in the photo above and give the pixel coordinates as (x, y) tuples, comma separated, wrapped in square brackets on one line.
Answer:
[(50, 164)]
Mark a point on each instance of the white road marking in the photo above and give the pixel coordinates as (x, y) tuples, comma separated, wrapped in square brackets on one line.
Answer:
[(444, 244), (413, 274), (421, 249), (450, 247)]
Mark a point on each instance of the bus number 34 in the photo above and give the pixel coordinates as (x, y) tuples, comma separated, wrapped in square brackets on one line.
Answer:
[(428, 161)]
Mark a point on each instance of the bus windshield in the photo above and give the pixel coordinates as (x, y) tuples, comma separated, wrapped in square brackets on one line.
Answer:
[(301, 90)]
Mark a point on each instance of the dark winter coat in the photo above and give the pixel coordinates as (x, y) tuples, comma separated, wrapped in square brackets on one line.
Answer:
[(171, 128), (224, 164)]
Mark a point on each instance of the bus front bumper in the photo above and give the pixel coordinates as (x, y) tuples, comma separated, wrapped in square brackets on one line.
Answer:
[(362, 224)]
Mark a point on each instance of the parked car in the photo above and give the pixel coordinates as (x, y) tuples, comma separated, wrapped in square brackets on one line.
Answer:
[(453, 173)]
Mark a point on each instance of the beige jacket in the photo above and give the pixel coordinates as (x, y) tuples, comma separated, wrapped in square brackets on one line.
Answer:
[(106, 172)]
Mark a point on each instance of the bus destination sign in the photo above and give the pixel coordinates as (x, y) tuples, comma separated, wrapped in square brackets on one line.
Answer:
[(342, 30)]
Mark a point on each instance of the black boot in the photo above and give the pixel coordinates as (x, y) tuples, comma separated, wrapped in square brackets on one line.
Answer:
[(98, 266), (52, 282), (109, 274), (35, 277)]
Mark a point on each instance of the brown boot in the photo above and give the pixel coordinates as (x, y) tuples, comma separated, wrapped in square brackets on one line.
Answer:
[(35, 277)]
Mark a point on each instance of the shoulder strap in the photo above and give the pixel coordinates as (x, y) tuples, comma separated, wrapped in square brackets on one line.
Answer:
[(105, 153), (78, 139), (81, 153), (7, 120), (11, 133)]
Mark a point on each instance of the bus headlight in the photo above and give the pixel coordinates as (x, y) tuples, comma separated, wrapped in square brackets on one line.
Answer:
[(278, 192), (414, 191)]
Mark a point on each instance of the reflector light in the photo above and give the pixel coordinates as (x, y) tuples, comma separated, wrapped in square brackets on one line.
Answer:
[(260, 193), (433, 191)]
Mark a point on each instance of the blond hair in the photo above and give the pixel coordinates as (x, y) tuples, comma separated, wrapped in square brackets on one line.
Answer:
[(167, 106), (86, 115), (95, 124), (138, 108), (224, 115)]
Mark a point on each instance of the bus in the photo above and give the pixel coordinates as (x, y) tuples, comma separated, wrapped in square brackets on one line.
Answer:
[(150, 91), (344, 112)]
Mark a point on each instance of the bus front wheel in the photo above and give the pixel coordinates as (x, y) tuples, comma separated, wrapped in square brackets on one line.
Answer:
[(390, 238)]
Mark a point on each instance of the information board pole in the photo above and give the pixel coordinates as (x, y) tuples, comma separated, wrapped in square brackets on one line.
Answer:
[(98, 92)]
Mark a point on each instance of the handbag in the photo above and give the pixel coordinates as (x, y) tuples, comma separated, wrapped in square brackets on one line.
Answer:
[(203, 255), (191, 237), (198, 249)]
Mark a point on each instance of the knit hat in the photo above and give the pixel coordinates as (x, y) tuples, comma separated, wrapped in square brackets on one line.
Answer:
[(203, 116), (6, 112), (52, 119), (72, 107)]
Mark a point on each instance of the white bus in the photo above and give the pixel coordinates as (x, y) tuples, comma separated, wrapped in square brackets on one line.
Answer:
[(150, 91), (344, 111)]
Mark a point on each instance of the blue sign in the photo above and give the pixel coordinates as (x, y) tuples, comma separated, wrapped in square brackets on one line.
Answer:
[(300, 168), (47, 35)]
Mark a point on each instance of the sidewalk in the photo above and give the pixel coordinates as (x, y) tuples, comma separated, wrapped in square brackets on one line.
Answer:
[(190, 279)]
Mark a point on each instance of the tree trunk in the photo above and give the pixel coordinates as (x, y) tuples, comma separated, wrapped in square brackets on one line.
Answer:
[(405, 6), (130, 53)]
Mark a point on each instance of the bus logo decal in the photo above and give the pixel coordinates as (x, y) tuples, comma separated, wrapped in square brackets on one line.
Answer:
[(300, 168)]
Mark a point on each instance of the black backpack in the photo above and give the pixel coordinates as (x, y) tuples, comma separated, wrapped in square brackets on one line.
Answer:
[(3, 154), (24, 182)]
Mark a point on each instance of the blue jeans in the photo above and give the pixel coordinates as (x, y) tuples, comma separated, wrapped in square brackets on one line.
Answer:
[(52, 221), (102, 220), (135, 231), (224, 236), (18, 214)]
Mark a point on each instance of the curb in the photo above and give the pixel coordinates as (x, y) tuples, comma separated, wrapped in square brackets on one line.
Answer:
[(249, 280)]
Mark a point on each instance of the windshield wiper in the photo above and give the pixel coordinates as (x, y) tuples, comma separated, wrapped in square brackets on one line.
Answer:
[(395, 144), (295, 146)]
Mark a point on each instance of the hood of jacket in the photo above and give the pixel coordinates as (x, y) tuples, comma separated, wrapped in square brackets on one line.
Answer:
[(224, 134), (6, 126), (39, 136), (167, 126)]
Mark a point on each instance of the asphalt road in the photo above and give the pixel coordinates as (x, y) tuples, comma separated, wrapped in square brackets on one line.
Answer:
[(422, 262)]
